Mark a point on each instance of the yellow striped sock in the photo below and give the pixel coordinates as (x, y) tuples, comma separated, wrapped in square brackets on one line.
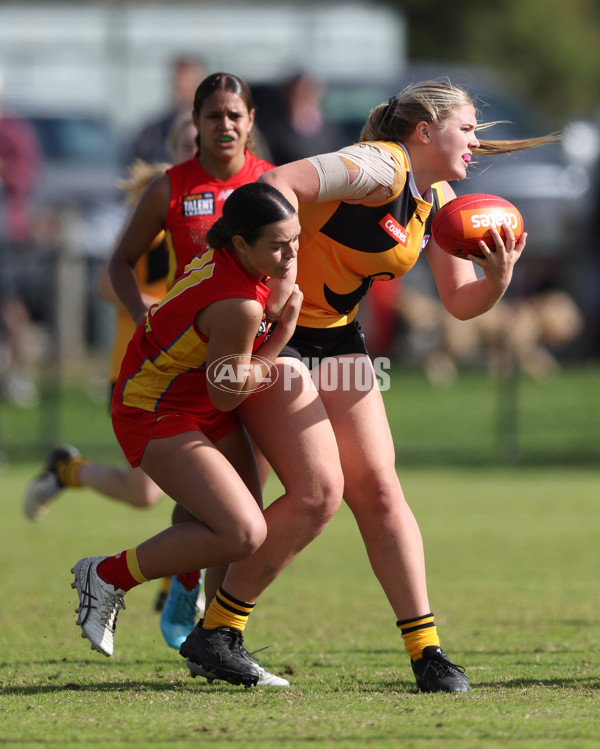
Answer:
[(67, 470), (418, 634), (133, 566), (226, 611)]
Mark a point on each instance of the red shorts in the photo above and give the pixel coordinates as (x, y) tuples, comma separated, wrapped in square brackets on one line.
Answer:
[(134, 427)]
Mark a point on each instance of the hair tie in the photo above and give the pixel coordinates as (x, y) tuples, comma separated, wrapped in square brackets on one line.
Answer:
[(388, 107)]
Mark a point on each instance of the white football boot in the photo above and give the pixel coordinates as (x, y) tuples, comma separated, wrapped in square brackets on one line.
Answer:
[(265, 679), (99, 604)]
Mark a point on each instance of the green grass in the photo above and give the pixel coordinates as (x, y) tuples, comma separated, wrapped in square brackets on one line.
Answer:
[(476, 420), (473, 421), (513, 559)]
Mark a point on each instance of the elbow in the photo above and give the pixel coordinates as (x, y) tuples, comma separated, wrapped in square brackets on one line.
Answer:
[(101, 291), (223, 400), (111, 271), (466, 313), (104, 289), (458, 311), (465, 307)]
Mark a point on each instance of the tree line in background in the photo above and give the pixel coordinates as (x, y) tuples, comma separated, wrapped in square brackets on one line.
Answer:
[(549, 50)]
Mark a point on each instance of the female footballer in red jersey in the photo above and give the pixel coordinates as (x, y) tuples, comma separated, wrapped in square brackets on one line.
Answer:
[(365, 213), (174, 417), (190, 197), (184, 203)]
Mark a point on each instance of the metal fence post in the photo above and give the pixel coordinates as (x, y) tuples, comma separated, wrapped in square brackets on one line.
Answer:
[(71, 289), (68, 322)]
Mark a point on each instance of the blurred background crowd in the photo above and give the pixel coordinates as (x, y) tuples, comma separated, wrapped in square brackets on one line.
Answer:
[(86, 88)]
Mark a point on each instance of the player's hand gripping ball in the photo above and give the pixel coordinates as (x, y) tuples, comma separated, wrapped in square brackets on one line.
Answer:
[(461, 224)]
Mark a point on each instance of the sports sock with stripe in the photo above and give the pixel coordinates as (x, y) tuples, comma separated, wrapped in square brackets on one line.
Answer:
[(67, 470), (122, 570), (227, 611), (418, 634)]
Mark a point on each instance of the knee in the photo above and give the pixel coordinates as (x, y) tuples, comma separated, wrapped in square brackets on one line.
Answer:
[(319, 500), (330, 495), (144, 500), (247, 538), (376, 493), (142, 494)]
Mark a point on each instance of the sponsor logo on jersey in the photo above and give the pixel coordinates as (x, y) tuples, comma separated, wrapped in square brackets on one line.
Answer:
[(389, 224), (198, 205), (424, 241)]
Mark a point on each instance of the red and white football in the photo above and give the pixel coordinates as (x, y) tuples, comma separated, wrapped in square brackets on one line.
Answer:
[(462, 223)]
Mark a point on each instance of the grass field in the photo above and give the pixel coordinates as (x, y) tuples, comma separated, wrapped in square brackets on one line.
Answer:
[(513, 559), (473, 420)]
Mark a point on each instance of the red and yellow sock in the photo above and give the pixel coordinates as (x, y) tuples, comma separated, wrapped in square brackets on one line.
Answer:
[(122, 570), (226, 611), (67, 470), (418, 634)]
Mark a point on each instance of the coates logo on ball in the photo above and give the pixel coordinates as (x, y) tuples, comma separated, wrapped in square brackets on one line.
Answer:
[(461, 224)]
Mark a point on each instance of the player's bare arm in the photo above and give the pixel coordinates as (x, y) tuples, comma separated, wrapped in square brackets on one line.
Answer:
[(145, 223), (231, 326)]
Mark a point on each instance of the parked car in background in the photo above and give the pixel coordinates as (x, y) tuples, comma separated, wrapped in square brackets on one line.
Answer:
[(78, 212), (81, 161), (81, 153)]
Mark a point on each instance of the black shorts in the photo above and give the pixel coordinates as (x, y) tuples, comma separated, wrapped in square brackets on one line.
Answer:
[(312, 345)]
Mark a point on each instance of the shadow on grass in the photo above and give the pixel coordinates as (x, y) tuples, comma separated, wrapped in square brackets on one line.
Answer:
[(118, 686), (399, 686), (591, 682)]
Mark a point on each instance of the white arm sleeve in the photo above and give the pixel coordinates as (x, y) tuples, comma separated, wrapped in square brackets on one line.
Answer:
[(375, 168)]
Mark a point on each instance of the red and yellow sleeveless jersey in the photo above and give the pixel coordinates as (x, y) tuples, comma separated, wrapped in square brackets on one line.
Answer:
[(196, 203), (345, 247), (164, 370)]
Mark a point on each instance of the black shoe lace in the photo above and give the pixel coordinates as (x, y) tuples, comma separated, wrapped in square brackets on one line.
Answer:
[(226, 638), (442, 666), (237, 639)]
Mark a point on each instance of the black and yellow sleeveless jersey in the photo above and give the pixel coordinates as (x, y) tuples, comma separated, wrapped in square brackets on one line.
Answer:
[(345, 247)]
